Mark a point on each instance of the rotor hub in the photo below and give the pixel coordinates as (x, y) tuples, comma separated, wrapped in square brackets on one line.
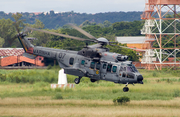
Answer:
[(103, 40)]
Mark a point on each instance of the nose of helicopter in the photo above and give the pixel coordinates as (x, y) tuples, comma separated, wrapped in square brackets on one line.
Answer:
[(139, 79)]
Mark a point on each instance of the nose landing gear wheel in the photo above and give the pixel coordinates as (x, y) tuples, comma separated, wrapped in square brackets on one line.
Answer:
[(125, 89)]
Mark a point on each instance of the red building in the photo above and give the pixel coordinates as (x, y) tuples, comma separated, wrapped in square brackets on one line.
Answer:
[(13, 57)]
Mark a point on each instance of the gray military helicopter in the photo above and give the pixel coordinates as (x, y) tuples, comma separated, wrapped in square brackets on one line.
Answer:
[(93, 61)]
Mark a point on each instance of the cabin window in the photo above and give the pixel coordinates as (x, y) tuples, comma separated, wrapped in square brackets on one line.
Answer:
[(104, 66), (82, 62), (71, 61), (98, 65), (92, 65), (114, 69), (109, 68)]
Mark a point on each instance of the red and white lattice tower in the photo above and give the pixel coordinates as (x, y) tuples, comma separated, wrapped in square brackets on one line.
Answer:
[(162, 23)]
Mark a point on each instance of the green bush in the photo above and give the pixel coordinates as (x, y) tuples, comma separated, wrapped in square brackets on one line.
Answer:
[(24, 79), (58, 96), (158, 81), (18, 80), (176, 93), (49, 67), (2, 77), (121, 100), (114, 100), (31, 80), (168, 80), (154, 74)]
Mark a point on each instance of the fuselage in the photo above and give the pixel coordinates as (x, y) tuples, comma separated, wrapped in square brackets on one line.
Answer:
[(94, 61)]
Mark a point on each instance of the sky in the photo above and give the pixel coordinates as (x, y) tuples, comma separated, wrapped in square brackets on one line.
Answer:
[(80, 6)]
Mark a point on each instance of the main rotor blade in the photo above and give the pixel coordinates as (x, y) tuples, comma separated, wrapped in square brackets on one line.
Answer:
[(82, 31), (128, 47), (62, 35)]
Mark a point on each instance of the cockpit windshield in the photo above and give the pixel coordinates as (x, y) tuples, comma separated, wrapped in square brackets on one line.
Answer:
[(131, 68)]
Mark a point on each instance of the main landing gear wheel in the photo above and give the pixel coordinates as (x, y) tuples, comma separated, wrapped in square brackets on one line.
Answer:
[(77, 80), (93, 80), (125, 89)]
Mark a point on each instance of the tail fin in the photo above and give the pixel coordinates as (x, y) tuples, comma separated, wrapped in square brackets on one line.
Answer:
[(25, 42), (27, 46)]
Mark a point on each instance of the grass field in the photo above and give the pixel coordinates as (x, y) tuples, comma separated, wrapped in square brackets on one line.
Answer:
[(158, 96), (45, 106)]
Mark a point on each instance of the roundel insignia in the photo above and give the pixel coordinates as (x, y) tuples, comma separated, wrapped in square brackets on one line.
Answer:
[(97, 72)]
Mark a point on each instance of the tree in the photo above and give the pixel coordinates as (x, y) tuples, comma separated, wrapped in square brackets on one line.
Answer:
[(107, 23), (87, 23), (19, 24), (101, 25), (7, 31), (38, 24), (1, 42), (96, 31), (121, 25)]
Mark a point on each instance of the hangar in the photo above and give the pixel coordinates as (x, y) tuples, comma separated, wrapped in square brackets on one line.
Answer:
[(139, 42)]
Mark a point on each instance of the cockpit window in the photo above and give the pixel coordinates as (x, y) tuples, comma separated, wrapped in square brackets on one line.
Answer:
[(134, 68), (131, 68), (114, 69)]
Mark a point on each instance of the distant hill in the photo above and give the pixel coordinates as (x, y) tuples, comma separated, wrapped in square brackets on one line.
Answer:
[(54, 20)]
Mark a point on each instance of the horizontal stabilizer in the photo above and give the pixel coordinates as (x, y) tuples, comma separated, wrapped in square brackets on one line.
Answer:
[(31, 56)]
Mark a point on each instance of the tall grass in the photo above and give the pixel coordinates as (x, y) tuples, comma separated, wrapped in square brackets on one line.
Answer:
[(45, 106), (28, 76), (28, 93), (36, 75), (25, 83), (51, 76), (94, 91)]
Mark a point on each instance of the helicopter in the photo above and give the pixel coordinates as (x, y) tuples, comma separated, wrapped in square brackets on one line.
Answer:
[(93, 61)]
